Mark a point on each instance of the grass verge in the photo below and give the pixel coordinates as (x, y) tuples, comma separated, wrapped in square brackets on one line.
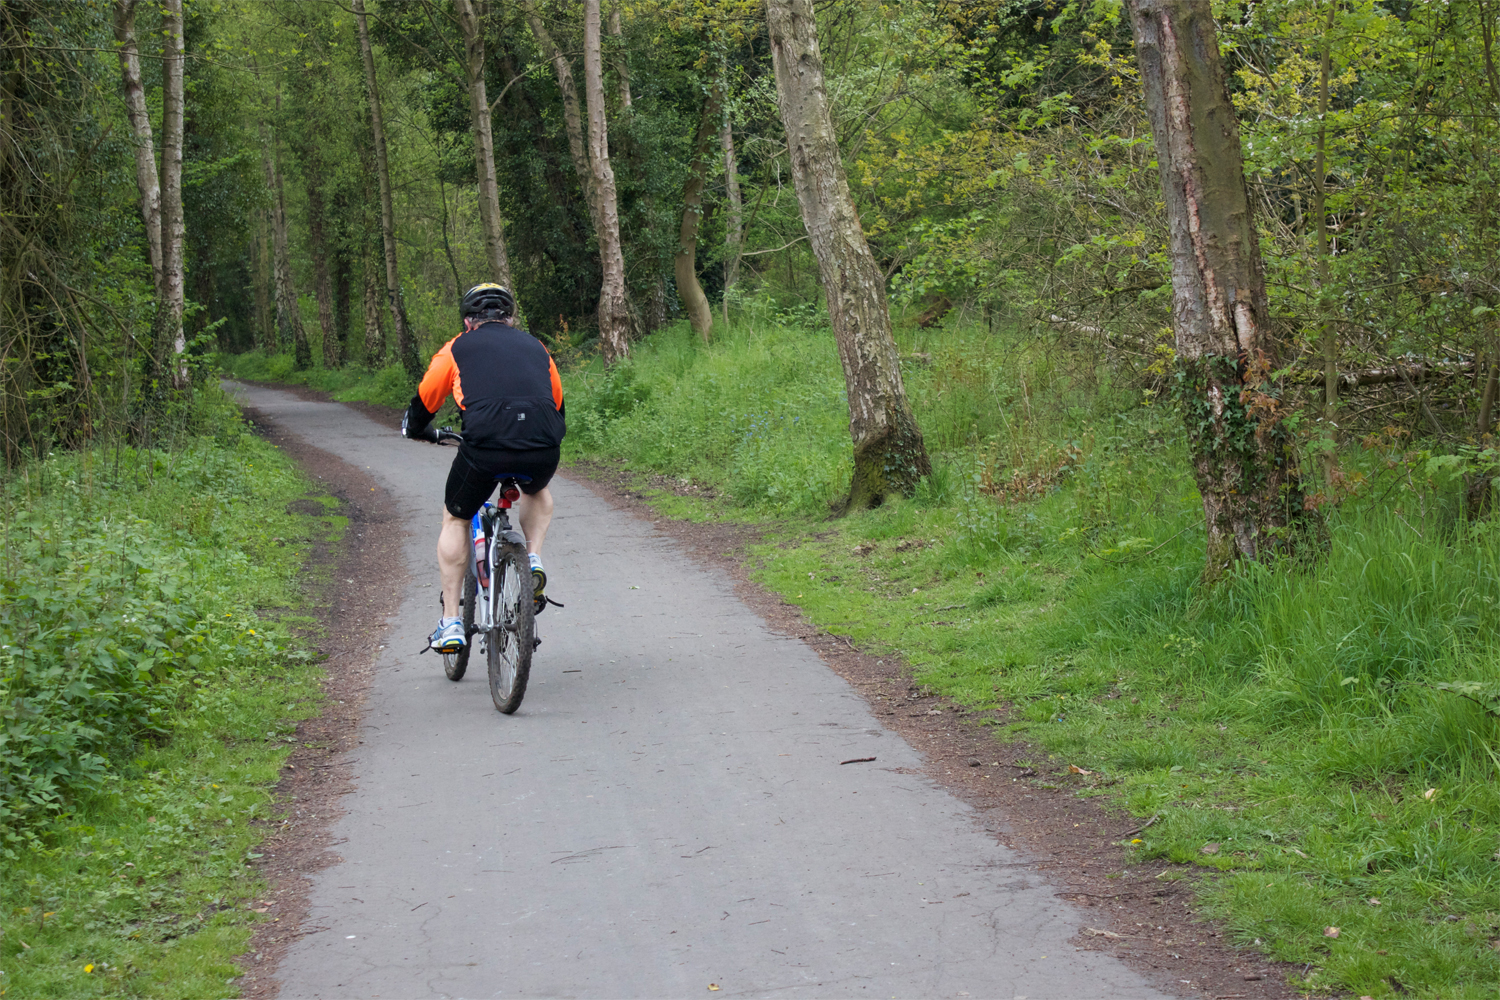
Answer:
[(1300, 733), (150, 690)]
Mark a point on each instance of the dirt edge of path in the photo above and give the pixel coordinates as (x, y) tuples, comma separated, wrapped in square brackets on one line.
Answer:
[(1023, 796), (351, 619)]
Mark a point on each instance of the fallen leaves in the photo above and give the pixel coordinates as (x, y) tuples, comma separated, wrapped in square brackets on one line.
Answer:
[(1075, 769), (713, 986), (1330, 932), (1209, 849), (1430, 794)]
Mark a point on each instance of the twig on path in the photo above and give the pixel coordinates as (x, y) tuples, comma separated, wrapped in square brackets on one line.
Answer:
[(857, 760), (1132, 833)]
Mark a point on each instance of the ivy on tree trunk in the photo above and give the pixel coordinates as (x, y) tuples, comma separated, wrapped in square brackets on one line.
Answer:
[(1242, 455)]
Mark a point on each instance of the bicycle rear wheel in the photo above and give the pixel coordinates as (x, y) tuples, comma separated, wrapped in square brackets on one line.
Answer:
[(454, 664), (510, 643)]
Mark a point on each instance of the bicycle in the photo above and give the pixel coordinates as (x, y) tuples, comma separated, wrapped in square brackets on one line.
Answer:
[(503, 617)]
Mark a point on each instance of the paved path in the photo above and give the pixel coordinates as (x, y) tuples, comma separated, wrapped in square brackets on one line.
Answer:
[(665, 812)]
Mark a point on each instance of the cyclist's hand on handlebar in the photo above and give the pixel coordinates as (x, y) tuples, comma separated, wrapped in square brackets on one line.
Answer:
[(428, 433)]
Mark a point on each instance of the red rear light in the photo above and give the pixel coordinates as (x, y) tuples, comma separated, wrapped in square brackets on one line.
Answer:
[(512, 494)]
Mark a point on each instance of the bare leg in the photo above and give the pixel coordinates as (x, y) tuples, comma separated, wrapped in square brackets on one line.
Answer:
[(453, 552), (535, 514)]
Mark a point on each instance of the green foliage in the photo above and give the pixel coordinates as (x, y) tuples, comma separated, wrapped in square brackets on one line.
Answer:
[(147, 705), (110, 620), (388, 386)]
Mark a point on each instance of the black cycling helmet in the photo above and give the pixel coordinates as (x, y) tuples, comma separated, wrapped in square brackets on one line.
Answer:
[(487, 297)]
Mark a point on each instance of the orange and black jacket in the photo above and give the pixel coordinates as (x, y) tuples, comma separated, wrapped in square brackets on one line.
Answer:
[(505, 384)]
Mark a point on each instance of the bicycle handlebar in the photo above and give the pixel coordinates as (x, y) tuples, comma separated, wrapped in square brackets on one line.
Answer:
[(444, 434)]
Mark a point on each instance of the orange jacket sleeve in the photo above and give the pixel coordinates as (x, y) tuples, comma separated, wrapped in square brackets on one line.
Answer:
[(438, 383), (556, 382)]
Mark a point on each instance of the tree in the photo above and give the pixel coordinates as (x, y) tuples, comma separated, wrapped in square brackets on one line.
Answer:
[(471, 17), (889, 455), (614, 315), (685, 263), (160, 192), (1241, 453), (406, 346)]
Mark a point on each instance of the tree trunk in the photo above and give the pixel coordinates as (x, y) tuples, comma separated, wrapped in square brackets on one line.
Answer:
[(614, 317), (471, 14), (341, 296), (685, 263), (265, 313), (322, 286), (622, 67), (889, 455), (572, 113), (406, 347), (734, 232), (147, 185), (1241, 453), (374, 316), (170, 340), (289, 329)]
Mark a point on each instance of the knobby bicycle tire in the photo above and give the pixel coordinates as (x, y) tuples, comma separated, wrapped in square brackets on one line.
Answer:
[(509, 645), (455, 664)]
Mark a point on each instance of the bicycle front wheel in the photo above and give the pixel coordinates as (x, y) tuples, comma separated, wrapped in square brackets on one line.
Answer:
[(510, 641), (454, 664)]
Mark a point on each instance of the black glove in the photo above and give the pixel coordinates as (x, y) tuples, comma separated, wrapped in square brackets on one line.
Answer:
[(416, 423)]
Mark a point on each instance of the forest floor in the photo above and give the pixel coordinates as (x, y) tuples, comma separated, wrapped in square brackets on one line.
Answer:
[(1145, 913)]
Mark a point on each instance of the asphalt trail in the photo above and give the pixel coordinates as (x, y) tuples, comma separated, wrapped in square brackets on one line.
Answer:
[(666, 811)]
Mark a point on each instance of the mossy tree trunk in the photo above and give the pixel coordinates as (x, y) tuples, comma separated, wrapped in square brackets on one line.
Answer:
[(889, 455), (685, 263), (1242, 455)]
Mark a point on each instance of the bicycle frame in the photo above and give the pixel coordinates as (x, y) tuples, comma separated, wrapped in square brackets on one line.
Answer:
[(493, 520)]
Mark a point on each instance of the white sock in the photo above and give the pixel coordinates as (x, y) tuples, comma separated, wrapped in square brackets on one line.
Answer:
[(536, 560)]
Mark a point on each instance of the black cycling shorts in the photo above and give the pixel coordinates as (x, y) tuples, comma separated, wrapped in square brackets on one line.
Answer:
[(471, 480)]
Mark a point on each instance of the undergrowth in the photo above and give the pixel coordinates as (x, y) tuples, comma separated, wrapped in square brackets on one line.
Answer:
[(147, 702), (1300, 734), (388, 385)]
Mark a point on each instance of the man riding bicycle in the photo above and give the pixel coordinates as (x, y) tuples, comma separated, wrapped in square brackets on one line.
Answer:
[(506, 385)]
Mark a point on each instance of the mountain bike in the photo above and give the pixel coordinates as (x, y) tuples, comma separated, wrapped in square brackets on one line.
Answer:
[(497, 604)]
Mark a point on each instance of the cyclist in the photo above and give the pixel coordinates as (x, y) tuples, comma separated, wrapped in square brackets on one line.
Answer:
[(506, 385)]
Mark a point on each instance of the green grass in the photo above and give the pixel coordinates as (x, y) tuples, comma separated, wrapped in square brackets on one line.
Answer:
[(130, 876), (1051, 563)]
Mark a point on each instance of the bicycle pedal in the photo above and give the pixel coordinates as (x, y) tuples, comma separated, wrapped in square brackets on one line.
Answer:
[(536, 641)]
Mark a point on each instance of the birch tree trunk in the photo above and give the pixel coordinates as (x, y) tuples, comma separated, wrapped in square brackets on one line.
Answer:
[(685, 263), (170, 339), (471, 15), (147, 185), (1241, 453), (406, 347), (614, 316), (889, 455), (734, 232)]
